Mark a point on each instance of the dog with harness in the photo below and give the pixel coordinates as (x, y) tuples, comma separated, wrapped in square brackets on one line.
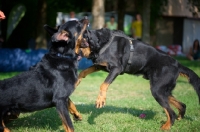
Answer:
[(116, 53)]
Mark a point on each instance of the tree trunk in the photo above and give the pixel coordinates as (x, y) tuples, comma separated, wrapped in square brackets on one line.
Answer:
[(41, 21), (98, 14), (121, 14), (146, 21)]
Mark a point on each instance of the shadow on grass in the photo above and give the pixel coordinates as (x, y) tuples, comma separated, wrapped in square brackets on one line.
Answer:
[(46, 119), (49, 119), (94, 112)]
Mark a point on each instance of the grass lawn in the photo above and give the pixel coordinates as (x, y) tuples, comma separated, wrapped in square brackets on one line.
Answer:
[(127, 97)]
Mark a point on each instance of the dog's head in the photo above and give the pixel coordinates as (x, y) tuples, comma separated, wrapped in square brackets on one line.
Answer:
[(89, 43), (69, 32)]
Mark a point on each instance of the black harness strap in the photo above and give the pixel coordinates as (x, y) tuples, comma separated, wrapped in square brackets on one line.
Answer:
[(109, 42), (130, 55)]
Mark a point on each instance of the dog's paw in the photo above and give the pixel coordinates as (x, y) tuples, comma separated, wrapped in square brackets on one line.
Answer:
[(101, 101), (77, 117), (166, 126)]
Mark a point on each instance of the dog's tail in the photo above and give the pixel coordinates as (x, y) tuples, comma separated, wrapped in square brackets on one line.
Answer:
[(193, 78)]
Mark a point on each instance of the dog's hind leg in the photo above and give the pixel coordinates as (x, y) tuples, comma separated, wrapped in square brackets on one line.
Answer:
[(178, 105), (162, 99), (161, 88), (61, 107), (72, 109)]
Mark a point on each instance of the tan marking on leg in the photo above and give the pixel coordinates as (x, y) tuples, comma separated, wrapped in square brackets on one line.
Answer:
[(3, 124), (177, 105), (67, 129), (65, 125), (167, 125), (184, 75), (5, 128), (84, 73), (72, 109), (101, 99)]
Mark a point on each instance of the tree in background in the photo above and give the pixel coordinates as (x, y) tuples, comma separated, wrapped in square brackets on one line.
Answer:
[(40, 12), (146, 21), (121, 13), (40, 40), (150, 11), (98, 12)]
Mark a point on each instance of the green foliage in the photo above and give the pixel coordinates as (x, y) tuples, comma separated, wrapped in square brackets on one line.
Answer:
[(127, 97), (16, 14)]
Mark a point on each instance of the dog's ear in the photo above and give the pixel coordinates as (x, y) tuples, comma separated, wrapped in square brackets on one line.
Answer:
[(84, 21), (50, 30), (83, 24)]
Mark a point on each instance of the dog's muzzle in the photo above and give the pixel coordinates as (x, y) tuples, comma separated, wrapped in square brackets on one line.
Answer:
[(59, 37)]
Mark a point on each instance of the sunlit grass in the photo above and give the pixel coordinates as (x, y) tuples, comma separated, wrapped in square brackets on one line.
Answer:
[(127, 97)]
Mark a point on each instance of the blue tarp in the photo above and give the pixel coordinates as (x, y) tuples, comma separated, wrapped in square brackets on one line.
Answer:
[(21, 60)]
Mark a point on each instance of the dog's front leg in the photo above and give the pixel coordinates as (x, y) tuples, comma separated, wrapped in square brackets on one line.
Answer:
[(72, 109), (101, 99), (61, 107), (85, 72)]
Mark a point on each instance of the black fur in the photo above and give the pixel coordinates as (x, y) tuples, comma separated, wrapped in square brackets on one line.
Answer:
[(47, 84), (111, 51)]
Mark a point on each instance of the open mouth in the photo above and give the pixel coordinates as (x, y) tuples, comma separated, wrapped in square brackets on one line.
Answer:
[(79, 57), (62, 36), (84, 43)]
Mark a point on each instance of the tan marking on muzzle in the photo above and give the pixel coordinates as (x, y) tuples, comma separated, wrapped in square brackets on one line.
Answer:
[(63, 35), (85, 51)]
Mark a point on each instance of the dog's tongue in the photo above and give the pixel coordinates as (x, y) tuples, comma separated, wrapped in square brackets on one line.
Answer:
[(79, 57)]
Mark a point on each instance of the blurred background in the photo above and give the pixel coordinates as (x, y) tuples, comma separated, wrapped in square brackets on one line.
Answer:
[(170, 25)]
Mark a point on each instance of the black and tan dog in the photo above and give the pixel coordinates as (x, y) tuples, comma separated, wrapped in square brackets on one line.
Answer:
[(116, 53), (47, 84)]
